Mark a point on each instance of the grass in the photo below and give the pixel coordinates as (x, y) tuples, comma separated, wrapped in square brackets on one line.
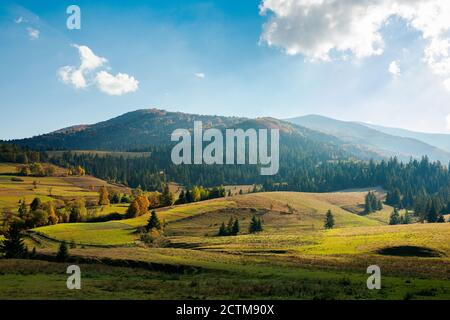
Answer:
[(123, 232), (293, 258)]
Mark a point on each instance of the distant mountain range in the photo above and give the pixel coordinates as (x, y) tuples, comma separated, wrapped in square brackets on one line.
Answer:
[(384, 141), (141, 129)]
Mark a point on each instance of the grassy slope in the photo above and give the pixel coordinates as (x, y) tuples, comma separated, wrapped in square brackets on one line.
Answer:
[(48, 188), (293, 246)]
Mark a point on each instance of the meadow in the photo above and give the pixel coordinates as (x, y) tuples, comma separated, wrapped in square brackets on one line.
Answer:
[(293, 258)]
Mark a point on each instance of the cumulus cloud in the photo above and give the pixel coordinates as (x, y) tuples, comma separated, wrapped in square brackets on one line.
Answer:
[(33, 33), (86, 74), (76, 76), (200, 75), (116, 85), (326, 29), (394, 69)]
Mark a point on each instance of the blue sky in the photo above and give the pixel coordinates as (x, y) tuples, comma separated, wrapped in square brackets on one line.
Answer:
[(207, 57)]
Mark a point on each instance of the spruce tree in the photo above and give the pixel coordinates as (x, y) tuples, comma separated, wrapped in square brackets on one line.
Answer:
[(253, 225), (395, 217), (153, 222), (13, 246), (36, 204), (236, 228), (63, 252), (223, 230), (329, 220)]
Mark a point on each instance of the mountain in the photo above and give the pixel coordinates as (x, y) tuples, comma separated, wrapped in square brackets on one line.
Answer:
[(439, 140), (373, 140), (130, 131), (141, 129)]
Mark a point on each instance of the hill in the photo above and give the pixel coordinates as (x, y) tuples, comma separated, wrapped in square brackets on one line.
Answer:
[(371, 139), (203, 218)]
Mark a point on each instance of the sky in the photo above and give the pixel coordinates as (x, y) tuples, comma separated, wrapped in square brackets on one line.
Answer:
[(384, 62)]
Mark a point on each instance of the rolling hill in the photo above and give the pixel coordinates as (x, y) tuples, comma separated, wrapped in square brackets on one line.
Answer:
[(371, 139)]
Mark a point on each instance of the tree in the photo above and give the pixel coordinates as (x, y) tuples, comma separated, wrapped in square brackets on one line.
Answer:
[(133, 210), (39, 218), (23, 210), (167, 197), (440, 219), (103, 196), (63, 252), (329, 220), (153, 222), (394, 198), (230, 225), (36, 204), (255, 225), (368, 204), (143, 203), (379, 205), (432, 212), (395, 217), (181, 197), (236, 228), (406, 218), (13, 246), (223, 230)]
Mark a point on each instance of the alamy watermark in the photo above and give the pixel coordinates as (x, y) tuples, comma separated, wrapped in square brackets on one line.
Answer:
[(235, 146), (74, 280), (374, 280), (74, 20)]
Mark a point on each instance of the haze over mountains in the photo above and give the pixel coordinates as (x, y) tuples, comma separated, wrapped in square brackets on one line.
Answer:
[(141, 129), (386, 142)]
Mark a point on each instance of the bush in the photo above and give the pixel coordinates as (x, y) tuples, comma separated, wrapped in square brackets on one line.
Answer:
[(154, 238)]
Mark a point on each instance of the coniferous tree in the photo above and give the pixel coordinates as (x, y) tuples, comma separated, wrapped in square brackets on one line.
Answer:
[(329, 220), (13, 246), (36, 204), (230, 226), (379, 205), (153, 222), (236, 228), (395, 217), (63, 252), (255, 225), (223, 230), (432, 214)]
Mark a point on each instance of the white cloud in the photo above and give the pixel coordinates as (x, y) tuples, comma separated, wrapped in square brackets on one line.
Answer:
[(19, 20), (33, 33), (448, 121), (323, 29), (76, 76), (394, 69), (73, 76), (116, 85), (200, 75), (85, 75)]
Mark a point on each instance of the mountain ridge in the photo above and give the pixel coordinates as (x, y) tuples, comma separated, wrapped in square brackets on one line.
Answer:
[(382, 143)]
